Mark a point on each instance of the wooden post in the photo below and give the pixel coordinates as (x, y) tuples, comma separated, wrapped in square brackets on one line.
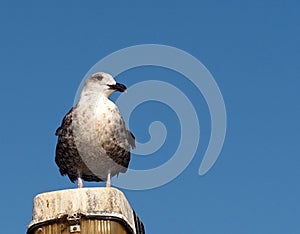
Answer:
[(86, 211)]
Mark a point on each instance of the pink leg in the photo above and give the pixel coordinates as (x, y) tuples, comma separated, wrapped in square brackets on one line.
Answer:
[(80, 183), (108, 180)]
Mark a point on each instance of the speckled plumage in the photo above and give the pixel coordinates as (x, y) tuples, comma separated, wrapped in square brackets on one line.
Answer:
[(93, 140)]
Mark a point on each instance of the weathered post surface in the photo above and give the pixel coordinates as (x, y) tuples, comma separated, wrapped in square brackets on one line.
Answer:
[(85, 210)]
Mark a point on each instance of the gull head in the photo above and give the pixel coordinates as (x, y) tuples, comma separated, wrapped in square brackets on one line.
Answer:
[(101, 83)]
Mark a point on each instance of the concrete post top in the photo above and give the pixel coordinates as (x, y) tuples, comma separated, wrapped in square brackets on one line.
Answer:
[(90, 202)]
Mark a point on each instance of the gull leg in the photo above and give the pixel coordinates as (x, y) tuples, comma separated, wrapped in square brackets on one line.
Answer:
[(108, 180), (80, 183)]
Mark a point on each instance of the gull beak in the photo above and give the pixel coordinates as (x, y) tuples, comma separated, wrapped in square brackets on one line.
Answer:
[(118, 87)]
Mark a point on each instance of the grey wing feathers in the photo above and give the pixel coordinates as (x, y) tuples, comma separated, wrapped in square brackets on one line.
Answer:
[(131, 139), (66, 123), (67, 157)]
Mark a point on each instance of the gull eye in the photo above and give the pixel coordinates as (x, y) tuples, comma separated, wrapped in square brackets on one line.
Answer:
[(99, 77)]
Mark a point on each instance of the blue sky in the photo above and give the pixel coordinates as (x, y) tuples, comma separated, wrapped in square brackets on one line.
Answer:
[(250, 47)]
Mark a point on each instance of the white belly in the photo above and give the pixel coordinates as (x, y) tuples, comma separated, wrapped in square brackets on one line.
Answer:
[(93, 126)]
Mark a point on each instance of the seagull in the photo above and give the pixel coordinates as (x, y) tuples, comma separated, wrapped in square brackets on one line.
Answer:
[(93, 141)]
